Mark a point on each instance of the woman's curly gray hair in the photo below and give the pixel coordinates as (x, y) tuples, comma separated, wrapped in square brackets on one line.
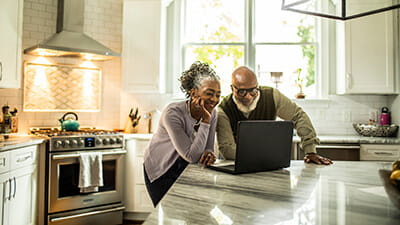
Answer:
[(193, 77)]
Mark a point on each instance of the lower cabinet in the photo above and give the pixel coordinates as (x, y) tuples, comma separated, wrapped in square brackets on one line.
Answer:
[(18, 181), (137, 200)]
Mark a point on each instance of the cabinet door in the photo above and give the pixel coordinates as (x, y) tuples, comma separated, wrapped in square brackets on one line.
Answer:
[(23, 196), (10, 43), (142, 38), (365, 55), (5, 193)]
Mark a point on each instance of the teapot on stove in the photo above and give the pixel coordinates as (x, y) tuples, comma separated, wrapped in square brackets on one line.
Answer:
[(69, 124)]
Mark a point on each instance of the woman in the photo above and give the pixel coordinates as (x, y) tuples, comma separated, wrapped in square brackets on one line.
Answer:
[(185, 133)]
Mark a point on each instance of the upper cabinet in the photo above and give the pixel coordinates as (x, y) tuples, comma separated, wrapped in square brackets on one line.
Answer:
[(10, 43), (366, 55), (142, 43)]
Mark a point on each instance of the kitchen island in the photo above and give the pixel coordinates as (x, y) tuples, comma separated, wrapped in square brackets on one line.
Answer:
[(342, 193)]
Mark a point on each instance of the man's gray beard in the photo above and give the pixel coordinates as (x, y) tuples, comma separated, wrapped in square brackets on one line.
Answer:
[(246, 109)]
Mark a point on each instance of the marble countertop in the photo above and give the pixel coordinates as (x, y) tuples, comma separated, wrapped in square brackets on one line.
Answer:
[(19, 141), (342, 193)]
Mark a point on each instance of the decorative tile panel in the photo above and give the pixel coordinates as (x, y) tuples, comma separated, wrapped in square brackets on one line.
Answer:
[(61, 88)]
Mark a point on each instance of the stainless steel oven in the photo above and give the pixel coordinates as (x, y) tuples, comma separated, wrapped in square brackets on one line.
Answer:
[(64, 202)]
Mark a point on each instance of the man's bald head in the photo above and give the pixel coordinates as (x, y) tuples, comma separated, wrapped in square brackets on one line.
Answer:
[(243, 77)]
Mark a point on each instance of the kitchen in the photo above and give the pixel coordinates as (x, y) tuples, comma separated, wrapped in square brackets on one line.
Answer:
[(331, 116)]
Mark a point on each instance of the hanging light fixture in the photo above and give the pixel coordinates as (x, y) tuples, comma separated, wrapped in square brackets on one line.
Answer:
[(340, 9)]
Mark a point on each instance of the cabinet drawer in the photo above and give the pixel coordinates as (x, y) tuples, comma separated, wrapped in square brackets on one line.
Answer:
[(4, 161), (23, 157), (380, 152), (137, 146)]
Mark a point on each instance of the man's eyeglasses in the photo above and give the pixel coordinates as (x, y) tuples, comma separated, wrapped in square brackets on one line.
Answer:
[(243, 92)]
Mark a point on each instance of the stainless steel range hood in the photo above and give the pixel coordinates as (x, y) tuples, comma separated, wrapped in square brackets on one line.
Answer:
[(69, 39)]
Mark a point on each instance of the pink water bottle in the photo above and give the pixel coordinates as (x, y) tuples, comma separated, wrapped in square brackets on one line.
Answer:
[(385, 116)]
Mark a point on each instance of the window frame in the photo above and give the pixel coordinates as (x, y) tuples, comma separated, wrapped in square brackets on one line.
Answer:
[(325, 38)]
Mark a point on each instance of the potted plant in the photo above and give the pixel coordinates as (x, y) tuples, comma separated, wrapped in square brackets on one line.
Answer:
[(299, 83)]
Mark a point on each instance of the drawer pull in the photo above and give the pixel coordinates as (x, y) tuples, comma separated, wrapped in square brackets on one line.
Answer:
[(23, 159), (15, 187), (9, 191), (383, 153)]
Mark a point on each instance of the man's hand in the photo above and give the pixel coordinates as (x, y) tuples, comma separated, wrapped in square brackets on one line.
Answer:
[(317, 159), (207, 158)]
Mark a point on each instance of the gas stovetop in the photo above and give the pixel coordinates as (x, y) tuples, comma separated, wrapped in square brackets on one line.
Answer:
[(82, 139), (54, 131)]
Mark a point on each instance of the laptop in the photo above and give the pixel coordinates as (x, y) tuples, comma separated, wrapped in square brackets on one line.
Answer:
[(262, 145)]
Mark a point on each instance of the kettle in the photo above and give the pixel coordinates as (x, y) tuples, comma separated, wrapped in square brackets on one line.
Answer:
[(69, 124)]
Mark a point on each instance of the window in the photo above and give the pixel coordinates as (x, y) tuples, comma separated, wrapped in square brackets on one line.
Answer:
[(255, 33)]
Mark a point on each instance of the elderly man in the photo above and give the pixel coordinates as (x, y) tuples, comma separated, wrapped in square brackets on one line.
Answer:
[(249, 101)]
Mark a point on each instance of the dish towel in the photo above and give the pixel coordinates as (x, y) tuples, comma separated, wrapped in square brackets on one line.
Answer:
[(90, 172)]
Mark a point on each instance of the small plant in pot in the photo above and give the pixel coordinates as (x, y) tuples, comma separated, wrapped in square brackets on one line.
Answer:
[(299, 81)]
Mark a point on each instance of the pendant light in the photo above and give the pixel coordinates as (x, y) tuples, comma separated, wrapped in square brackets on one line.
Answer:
[(340, 9)]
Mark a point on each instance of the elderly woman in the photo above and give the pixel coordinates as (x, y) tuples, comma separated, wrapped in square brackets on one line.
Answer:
[(185, 133)]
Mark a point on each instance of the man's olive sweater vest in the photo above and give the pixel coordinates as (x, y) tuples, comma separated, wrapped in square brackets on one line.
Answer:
[(265, 109)]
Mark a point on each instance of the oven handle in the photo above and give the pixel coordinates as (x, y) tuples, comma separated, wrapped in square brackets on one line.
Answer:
[(76, 155), (86, 214)]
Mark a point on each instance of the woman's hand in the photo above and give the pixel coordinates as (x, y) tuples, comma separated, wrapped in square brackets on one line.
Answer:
[(207, 158), (198, 110)]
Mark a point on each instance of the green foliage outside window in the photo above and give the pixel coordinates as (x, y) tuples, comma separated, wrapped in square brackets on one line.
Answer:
[(306, 35), (212, 53)]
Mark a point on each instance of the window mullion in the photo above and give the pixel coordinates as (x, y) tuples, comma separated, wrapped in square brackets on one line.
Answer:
[(249, 58)]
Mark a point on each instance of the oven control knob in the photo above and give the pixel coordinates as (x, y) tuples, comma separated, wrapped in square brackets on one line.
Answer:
[(106, 141), (66, 143), (98, 141), (119, 140), (57, 144), (112, 140), (74, 143), (81, 142)]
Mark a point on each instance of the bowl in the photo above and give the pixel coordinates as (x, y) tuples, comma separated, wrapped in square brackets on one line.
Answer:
[(376, 130), (391, 190)]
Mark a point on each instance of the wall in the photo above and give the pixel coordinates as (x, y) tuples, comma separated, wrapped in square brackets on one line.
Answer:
[(103, 22)]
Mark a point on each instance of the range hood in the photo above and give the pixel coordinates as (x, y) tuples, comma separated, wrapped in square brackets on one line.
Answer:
[(69, 39)]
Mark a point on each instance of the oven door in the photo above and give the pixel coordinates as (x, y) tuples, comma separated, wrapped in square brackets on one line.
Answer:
[(64, 193)]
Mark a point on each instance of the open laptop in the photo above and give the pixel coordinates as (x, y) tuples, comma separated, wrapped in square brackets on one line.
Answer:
[(262, 145)]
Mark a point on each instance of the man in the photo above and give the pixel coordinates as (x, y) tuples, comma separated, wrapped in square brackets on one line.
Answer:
[(248, 101)]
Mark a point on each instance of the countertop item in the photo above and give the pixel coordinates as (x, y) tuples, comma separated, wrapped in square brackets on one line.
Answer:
[(342, 193), (18, 141)]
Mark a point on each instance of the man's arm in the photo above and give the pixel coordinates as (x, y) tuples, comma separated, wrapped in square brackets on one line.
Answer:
[(225, 139), (289, 110)]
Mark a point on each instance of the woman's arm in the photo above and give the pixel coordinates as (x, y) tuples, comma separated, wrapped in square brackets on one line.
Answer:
[(191, 149)]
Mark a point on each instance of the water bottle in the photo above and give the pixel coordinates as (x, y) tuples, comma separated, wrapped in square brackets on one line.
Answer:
[(385, 116)]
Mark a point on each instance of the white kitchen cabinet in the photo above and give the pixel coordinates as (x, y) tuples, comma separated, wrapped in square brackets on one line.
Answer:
[(137, 200), (365, 55), (143, 32), (10, 43), (18, 186)]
